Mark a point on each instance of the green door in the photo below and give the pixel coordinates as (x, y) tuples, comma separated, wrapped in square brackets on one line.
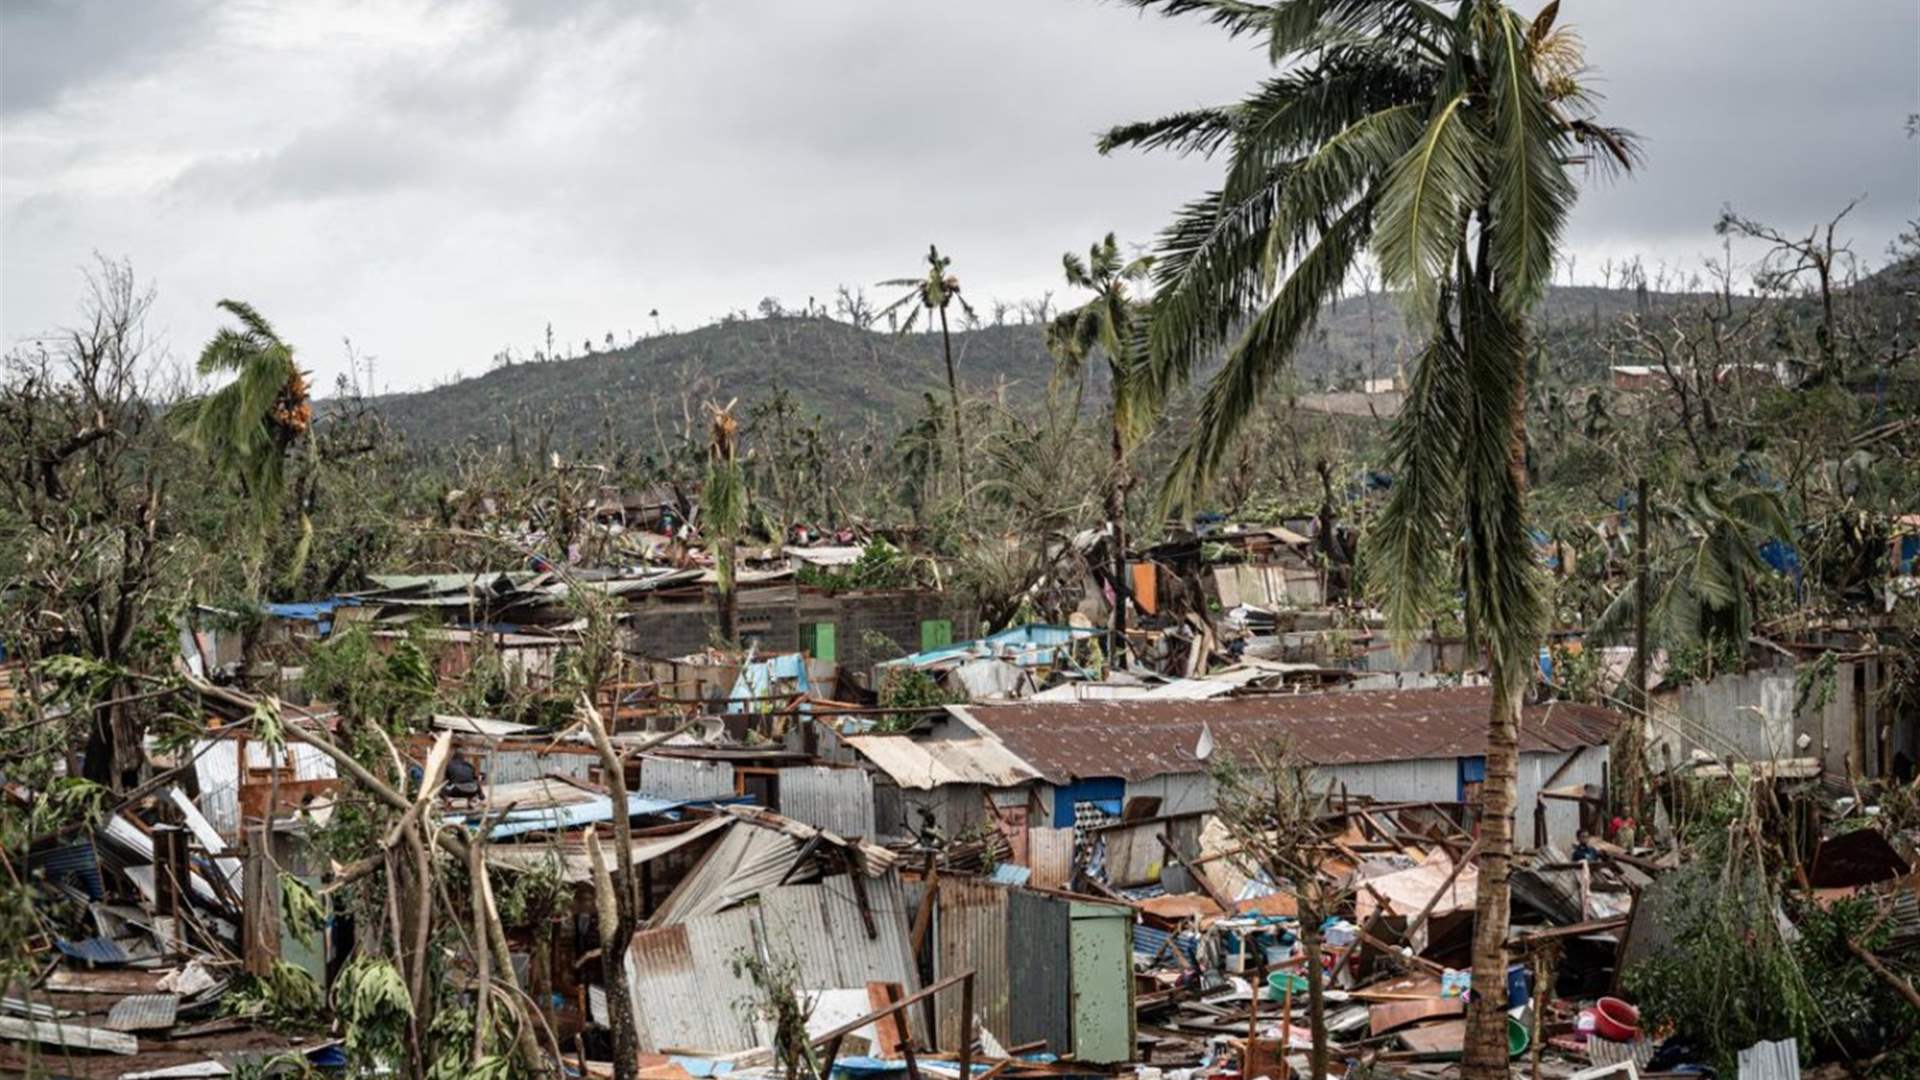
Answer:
[(820, 642), (1102, 948), (935, 633)]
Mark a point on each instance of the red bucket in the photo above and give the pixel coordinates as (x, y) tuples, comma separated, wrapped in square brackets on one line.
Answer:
[(1616, 1020)]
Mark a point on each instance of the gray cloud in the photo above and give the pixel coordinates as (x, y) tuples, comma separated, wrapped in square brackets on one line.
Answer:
[(441, 178), (51, 47)]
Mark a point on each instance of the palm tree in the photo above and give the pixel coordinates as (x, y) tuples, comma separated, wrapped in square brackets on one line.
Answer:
[(935, 292), (1109, 324), (1702, 570), (1441, 136), (723, 501), (249, 424)]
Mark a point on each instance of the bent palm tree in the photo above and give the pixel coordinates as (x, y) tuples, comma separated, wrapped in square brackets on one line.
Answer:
[(935, 292), (1701, 579), (1109, 324), (1441, 135), (250, 425)]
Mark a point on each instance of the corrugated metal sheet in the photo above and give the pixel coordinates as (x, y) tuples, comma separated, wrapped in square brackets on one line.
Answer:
[(970, 931), (686, 778), (1050, 852), (143, 1012), (559, 818), (1143, 738), (512, 765), (686, 995), (931, 763), (74, 862), (1778, 1060), (837, 800), (216, 766), (1040, 971), (821, 928)]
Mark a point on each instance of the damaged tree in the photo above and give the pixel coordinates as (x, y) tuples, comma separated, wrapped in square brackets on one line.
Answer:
[(85, 473), (1270, 808)]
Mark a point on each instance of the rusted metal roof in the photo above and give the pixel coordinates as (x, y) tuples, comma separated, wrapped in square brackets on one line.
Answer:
[(1139, 739)]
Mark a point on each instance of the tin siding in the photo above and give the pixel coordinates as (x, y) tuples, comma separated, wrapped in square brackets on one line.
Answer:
[(837, 800), (819, 928), (1040, 971), (970, 931), (683, 778), (684, 990)]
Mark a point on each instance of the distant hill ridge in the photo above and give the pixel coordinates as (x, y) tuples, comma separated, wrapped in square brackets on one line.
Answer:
[(853, 377)]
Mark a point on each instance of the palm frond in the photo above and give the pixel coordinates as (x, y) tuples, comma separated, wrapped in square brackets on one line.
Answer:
[(1531, 191), (1193, 131), (1237, 17), (1411, 547), (1503, 588), (1262, 351), (1424, 203)]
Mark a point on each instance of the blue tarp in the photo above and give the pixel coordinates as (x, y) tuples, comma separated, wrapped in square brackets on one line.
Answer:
[(756, 681), (94, 950), (557, 818), (1105, 792), (1032, 645), (318, 612)]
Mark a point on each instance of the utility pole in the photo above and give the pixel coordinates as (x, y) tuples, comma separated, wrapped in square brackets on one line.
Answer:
[(1640, 697)]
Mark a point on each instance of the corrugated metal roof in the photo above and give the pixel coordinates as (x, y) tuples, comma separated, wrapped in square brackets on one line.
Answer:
[(926, 764), (1140, 739)]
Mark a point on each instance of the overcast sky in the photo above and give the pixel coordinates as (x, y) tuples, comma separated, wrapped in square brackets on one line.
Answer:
[(439, 179)]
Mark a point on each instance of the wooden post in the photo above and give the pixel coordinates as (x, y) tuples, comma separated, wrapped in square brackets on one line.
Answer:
[(906, 1033), (966, 1027)]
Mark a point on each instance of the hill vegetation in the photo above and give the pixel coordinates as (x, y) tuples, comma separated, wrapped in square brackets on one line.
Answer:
[(853, 376)]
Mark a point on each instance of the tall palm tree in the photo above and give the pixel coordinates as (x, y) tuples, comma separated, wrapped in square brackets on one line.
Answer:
[(935, 292), (1441, 135), (1109, 324)]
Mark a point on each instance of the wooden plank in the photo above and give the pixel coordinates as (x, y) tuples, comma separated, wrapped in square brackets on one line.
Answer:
[(1389, 1015), (70, 981), (68, 1035), (1447, 1037)]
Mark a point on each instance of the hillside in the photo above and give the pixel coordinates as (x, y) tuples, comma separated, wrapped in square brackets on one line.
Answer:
[(852, 376)]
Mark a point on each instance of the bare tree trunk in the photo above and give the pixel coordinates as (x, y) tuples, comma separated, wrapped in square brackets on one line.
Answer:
[(617, 904), (1117, 531), (953, 390), (1310, 920), (1486, 1046), (613, 967)]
